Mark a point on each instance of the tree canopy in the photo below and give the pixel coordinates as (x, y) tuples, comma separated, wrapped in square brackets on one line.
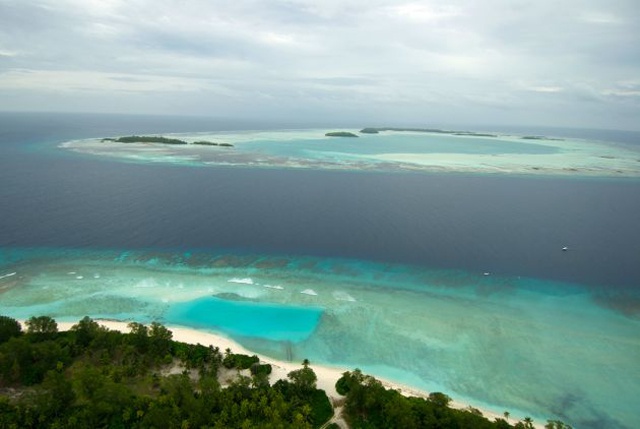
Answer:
[(91, 376)]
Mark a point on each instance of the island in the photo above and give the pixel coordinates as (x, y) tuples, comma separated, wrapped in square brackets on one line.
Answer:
[(162, 140), (340, 134), (372, 130), (540, 138), (145, 139), (206, 143), (114, 374), (369, 131)]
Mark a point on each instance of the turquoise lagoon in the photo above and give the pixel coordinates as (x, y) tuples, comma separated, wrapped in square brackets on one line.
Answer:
[(386, 151), (529, 346)]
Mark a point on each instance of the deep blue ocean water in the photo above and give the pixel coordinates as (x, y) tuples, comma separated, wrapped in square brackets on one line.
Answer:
[(510, 226)]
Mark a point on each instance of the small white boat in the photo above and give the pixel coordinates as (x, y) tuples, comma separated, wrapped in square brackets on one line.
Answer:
[(565, 248)]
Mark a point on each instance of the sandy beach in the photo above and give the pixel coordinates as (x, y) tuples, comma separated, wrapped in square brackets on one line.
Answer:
[(327, 375)]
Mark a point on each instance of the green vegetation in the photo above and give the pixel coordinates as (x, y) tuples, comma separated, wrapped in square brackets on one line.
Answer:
[(41, 325), (239, 361), (340, 134), (207, 143), (473, 134), (162, 140), (93, 377), (540, 138), (369, 405), (146, 139), (371, 130), (9, 328)]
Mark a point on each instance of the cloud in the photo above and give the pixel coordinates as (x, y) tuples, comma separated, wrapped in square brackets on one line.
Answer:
[(422, 12), (421, 61), (7, 53), (545, 89)]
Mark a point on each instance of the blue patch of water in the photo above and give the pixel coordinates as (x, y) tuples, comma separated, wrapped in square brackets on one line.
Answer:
[(248, 319)]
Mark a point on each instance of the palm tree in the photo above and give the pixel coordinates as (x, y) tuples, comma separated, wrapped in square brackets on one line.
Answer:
[(506, 415), (305, 363), (528, 422)]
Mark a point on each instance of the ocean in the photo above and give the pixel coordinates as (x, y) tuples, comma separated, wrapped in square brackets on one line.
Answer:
[(444, 281)]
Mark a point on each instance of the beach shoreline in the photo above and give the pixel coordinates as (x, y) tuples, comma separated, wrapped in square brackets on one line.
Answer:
[(327, 375)]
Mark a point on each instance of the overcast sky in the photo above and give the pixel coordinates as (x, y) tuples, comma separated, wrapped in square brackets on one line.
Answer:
[(374, 62)]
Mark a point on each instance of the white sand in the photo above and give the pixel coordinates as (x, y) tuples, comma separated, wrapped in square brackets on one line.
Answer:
[(327, 375)]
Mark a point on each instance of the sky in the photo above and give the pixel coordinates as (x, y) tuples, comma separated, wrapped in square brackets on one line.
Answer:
[(572, 63)]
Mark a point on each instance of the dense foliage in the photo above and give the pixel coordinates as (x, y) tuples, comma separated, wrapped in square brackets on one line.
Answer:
[(369, 405), (162, 140), (240, 361), (9, 328), (340, 134), (149, 139), (146, 139), (371, 130), (91, 377), (208, 143)]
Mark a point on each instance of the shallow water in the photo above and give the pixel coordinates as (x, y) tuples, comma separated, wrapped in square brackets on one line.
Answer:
[(525, 345)]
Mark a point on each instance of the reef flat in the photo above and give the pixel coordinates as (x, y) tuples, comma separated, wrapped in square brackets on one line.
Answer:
[(378, 149), (525, 345)]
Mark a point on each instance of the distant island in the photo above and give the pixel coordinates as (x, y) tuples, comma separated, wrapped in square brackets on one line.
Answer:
[(206, 143), (540, 138), (369, 131), (162, 140), (340, 134), (372, 130)]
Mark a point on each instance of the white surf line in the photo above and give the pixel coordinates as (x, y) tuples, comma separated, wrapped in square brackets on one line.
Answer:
[(276, 287), (244, 281), (7, 275)]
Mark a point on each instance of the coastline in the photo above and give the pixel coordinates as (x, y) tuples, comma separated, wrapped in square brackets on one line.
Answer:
[(327, 375)]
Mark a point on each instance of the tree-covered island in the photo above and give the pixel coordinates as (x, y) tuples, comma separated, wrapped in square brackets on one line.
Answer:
[(340, 134), (93, 377), (162, 140), (373, 130), (208, 143), (540, 138)]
